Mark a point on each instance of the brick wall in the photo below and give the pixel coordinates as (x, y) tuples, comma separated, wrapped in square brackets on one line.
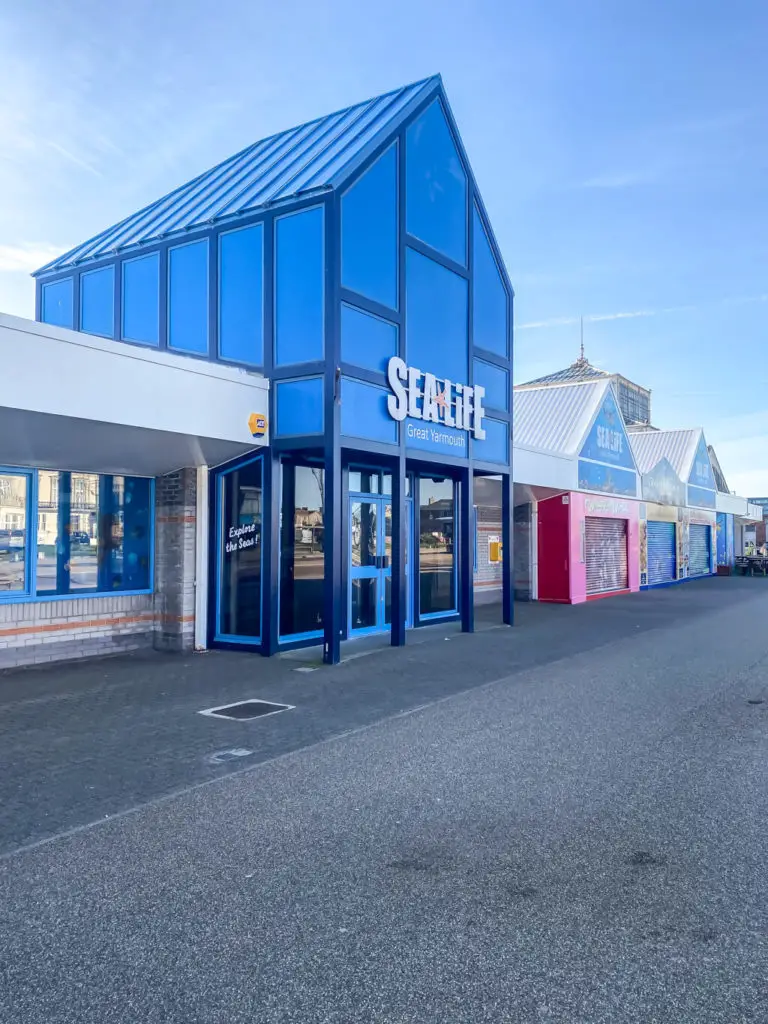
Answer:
[(45, 631), (175, 522)]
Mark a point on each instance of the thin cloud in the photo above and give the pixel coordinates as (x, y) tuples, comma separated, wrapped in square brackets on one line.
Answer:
[(27, 258), (568, 321), (622, 179), (74, 158)]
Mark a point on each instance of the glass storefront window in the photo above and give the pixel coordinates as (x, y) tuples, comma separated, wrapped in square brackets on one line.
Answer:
[(93, 533), (14, 495), (301, 549), (240, 552), (437, 554), (84, 532)]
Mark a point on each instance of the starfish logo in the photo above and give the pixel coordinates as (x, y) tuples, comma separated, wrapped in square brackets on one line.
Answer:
[(440, 402)]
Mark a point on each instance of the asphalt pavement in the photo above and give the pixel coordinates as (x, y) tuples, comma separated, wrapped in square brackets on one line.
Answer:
[(563, 822)]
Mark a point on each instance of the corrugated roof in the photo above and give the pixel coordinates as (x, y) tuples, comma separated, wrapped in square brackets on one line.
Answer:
[(556, 418), (294, 163), (581, 370), (677, 446)]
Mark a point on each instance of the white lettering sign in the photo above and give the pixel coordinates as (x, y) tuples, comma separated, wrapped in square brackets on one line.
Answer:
[(615, 508), (610, 440), (423, 396), (240, 537)]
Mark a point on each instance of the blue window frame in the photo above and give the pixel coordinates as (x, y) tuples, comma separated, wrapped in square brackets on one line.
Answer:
[(239, 553), (141, 299), (58, 303), (97, 302), (299, 287), (369, 232), (83, 534), (436, 529), (302, 560), (241, 295), (188, 298), (17, 567)]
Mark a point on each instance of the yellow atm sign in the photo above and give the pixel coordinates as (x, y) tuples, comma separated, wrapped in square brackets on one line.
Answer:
[(257, 424)]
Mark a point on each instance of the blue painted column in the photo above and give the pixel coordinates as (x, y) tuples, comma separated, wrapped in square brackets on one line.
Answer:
[(466, 550), (270, 579), (507, 563), (333, 596), (399, 545)]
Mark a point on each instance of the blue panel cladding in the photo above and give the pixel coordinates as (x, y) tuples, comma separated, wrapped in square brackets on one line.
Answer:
[(436, 335), (495, 446), (366, 340), (435, 186), (58, 306), (609, 479), (701, 471), (299, 283), (299, 407), (489, 314), (437, 439), (364, 412), (722, 538), (141, 299), (369, 232), (607, 441), (241, 295), (700, 497), (188, 298), (97, 302), (495, 380)]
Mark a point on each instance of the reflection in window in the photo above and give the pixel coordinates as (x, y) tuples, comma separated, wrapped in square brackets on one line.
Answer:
[(84, 532), (437, 584), (13, 532), (93, 533), (301, 549), (240, 552)]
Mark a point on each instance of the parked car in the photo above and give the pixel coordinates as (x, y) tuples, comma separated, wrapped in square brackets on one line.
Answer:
[(79, 537)]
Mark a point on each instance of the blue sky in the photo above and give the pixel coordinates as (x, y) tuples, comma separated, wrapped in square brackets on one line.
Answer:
[(621, 149)]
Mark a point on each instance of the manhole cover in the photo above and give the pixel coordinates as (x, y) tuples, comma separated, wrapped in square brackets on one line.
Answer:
[(244, 710), (222, 756)]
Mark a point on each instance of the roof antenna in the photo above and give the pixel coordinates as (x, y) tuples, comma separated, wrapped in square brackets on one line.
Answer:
[(581, 357)]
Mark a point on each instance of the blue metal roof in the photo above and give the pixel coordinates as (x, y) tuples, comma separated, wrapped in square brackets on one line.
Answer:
[(314, 157)]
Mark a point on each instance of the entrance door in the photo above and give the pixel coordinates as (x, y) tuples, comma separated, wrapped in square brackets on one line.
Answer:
[(370, 565)]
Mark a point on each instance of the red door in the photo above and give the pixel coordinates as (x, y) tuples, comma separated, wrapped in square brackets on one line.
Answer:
[(554, 549)]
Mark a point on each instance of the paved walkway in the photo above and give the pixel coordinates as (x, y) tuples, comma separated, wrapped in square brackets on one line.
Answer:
[(561, 822)]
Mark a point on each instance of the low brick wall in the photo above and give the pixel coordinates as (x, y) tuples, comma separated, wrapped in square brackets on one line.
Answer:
[(38, 632)]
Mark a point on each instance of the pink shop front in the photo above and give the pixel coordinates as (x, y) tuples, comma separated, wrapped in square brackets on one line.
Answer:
[(588, 547)]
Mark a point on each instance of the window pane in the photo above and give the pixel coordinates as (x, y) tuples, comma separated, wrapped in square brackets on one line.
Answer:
[(364, 602), (13, 533), (50, 550), (364, 481), (301, 549), (241, 517), (84, 532), (129, 534), (93, 533), (364, 533), (436, 546)]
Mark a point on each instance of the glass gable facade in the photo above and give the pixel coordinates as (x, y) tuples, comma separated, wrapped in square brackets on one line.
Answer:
[(375, 300)]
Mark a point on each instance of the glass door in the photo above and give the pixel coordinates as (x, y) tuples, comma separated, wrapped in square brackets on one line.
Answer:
[(366, 565), (370, 564)]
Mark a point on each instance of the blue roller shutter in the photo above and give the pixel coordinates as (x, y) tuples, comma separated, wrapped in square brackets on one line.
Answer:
[(699, 548), (662, 557)]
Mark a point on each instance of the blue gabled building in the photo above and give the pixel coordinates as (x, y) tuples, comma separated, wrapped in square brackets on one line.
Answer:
[(352, 263)]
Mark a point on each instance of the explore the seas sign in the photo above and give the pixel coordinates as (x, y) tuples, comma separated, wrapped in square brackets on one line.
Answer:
[(438, 415)]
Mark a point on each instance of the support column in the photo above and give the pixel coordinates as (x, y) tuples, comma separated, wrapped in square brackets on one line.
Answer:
[(399, 548), (466, 548), (507, 563), (202, 540), (270, 580)]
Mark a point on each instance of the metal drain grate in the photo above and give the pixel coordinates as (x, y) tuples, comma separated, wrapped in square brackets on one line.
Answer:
[(245, 710)]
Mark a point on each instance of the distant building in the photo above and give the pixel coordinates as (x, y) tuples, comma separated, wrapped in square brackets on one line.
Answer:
[(634, 400)]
